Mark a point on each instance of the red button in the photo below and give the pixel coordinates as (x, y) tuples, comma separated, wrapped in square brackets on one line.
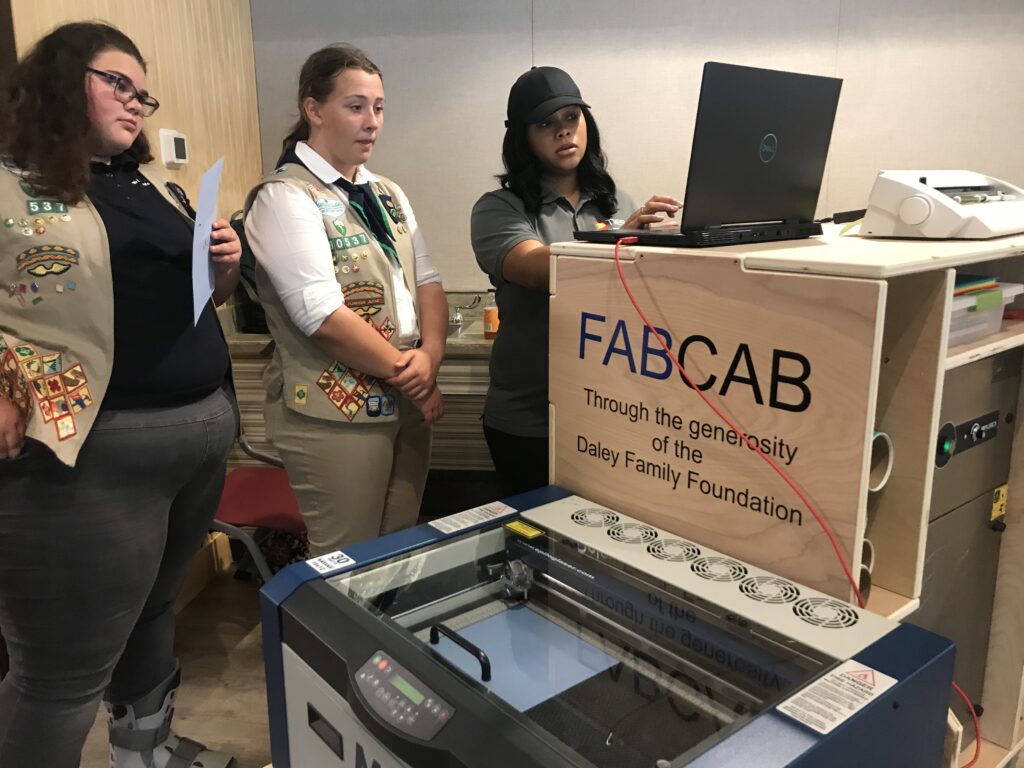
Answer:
[(382, 665), (443, 714)]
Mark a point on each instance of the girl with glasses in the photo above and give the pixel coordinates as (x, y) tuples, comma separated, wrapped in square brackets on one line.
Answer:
[(115, 413)]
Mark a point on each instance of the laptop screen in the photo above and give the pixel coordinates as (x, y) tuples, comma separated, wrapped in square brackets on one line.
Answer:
[(759, 146)]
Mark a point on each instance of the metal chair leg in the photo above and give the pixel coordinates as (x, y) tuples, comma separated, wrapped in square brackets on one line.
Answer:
[(253, 548)]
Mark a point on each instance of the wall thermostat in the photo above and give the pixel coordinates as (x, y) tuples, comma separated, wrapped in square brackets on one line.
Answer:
[(173, 148)]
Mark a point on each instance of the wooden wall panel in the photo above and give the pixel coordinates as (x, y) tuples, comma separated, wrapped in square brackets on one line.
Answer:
[(201, 68)]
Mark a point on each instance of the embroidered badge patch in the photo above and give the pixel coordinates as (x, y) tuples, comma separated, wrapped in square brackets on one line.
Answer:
[(13, 384), (349, 389), (59, 394), (43, 260), (364, 297), (301, 396), (339, 225)]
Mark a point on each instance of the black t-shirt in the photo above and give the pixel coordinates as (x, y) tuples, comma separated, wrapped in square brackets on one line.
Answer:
[(160, 358)]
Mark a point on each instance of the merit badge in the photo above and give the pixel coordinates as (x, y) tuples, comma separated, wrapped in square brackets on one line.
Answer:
[(80, 400), (51, 364), (301, 394), (8, 223), (66, 427), (387, 328), (387, 405), (43, 260), (364, 297), (33, 368), (373, 406), (346, 388), (73, 378), (339, 224)]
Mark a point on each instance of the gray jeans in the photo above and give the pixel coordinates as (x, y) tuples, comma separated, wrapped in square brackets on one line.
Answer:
[(91, 560)]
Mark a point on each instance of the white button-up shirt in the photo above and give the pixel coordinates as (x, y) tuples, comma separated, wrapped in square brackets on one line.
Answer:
[(285, 230)]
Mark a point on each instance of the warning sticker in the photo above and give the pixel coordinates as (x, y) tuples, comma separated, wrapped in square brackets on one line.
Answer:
[(471, 517), (999, 502), (840, 694)]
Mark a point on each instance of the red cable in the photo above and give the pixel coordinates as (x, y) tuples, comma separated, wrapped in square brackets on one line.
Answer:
[(977, 726), (754, 446), (750, 443)]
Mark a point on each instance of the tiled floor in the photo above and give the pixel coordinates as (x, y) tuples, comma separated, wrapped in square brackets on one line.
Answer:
[(222, 701)]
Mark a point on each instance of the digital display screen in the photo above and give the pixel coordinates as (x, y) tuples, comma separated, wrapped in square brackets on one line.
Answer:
[(179, 147), (405, 687)]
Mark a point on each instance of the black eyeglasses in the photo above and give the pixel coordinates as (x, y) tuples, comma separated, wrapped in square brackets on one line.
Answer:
[(124, 91)]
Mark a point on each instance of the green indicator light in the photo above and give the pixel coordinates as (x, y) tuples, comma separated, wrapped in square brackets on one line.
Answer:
[(946, 446), (376, 659)]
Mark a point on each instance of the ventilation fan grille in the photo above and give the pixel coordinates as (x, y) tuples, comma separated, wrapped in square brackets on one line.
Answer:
[(719, 569), (826, 612), (632, 533), (674, 550), (594, 517), (770, 589)]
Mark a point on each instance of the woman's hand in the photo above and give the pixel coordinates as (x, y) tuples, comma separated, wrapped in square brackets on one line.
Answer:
[(12, 429), (414, 374), (225, 253), (431, 406), (652, 211)]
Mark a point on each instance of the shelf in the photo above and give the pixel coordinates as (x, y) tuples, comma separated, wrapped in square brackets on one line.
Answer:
[(1012, 335), (891, 604), (992, 756)]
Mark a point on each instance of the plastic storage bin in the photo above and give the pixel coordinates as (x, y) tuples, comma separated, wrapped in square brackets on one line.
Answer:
[(977, 315)]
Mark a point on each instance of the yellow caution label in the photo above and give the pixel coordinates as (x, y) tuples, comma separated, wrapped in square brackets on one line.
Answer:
[(999, 502), (525, 530)]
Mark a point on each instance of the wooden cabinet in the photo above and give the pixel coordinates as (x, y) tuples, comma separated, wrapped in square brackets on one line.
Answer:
[(810, 347)]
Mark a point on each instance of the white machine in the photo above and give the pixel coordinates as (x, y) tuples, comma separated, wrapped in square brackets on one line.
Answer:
[(941, 205)]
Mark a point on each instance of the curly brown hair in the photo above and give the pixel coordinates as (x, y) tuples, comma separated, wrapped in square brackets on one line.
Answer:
[(44, 111), (316, 79)]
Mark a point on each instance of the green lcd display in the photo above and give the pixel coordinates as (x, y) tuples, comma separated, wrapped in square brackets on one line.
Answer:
[(405, 687)]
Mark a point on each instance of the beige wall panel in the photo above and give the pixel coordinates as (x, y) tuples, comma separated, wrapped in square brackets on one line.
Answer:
[(832, 322), (926, 83), (201, 69)]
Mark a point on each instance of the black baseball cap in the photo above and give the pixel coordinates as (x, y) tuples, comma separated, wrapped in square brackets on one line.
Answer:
[(539, 92)]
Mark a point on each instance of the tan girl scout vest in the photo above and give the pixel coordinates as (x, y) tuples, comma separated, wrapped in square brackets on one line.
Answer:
[(309, 381), (56, 311)]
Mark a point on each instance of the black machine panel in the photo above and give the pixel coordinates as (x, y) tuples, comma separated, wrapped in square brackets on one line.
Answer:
[(400, 699)]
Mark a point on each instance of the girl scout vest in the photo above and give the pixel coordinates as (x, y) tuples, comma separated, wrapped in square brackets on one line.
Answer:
[(56, 311), (310, 382)]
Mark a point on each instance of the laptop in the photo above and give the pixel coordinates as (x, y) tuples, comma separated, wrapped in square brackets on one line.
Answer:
[(759, 150)]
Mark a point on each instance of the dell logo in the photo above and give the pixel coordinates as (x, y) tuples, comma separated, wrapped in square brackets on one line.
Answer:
[(769, 147)]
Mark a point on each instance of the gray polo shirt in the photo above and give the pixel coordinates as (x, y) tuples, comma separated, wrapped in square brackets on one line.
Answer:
[(517, 401)]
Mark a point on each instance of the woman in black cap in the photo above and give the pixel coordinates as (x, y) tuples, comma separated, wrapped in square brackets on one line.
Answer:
[(555, 182)]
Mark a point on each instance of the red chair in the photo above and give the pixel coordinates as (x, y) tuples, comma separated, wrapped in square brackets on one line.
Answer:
[(261, 498)]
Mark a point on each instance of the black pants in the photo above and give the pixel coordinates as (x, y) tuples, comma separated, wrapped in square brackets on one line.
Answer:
[(521, 462), (91, 559)]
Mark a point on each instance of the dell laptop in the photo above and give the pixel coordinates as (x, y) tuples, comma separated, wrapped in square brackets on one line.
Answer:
[(758, 156)]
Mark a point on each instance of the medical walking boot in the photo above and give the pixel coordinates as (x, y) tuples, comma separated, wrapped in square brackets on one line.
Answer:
[(141, 736)]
